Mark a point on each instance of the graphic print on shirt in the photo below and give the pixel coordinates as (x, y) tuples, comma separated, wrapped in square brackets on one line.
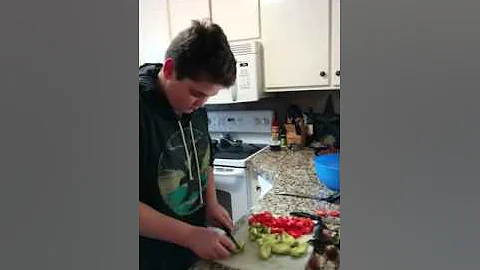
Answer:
[(181, 194)]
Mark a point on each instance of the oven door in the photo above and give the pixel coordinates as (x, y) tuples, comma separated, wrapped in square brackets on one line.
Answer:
[(232, 190)]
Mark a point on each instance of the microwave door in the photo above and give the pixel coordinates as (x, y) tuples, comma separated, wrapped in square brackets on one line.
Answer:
[(224, 96)]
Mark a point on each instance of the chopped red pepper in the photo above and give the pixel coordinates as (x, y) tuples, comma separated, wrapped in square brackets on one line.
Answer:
[(295, 226), (321, 213), (294, 233), (334, 213)]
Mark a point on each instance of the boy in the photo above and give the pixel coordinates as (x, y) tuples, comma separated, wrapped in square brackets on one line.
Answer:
[(177, 188)]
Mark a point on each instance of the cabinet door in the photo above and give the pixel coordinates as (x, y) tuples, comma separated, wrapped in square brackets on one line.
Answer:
[(295, 37), (153, 38), (239, 19), (182, 12), (335, 71)]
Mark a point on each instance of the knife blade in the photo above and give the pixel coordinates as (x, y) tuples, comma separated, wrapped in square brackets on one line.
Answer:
[(298, 195), (229, 234)]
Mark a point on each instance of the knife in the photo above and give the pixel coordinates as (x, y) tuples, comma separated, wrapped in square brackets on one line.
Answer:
[(298, 195), (229, 234), (335, 198)]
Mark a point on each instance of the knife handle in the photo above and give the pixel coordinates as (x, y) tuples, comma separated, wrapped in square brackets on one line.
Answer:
[(229, 234), (305, 215)]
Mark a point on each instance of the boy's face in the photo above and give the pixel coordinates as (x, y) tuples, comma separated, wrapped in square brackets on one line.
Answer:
[(186, 95)]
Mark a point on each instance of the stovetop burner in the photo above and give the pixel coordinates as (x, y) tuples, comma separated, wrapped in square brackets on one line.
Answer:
[(236, 149)]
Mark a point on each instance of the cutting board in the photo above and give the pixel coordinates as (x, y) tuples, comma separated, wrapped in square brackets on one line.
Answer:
[(249, 259)]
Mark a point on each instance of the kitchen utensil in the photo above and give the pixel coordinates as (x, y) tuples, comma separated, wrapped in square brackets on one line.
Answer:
[(229, 234), (295, 125), (295, 115), (328, 171), (298, 195), (334, 198), (306, 215)]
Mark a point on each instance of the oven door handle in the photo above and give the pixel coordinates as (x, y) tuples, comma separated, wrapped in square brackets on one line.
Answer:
[(228, 171)]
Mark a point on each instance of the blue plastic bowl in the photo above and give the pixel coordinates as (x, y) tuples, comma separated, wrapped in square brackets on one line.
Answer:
[(327, 168)]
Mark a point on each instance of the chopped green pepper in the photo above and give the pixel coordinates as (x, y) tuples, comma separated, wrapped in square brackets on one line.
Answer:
[(252, 237), (260, 241), (287, 239), (281, 248), (299, 251), (265, 251), (239, 249)]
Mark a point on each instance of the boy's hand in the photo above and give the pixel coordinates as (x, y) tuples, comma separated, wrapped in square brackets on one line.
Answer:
[(218, 216), (209, 244)]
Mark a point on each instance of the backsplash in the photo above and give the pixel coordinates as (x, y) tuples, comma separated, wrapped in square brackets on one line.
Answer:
[(282, 100)]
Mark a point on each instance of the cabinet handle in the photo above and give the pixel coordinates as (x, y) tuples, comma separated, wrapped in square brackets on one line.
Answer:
[(323, 73), (337, 73)]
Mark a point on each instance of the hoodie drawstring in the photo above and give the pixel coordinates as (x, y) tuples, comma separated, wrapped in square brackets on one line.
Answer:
[(189, 161)]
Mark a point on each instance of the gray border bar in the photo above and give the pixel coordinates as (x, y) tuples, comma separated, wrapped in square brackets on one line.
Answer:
[(409, 133), (69, 151)]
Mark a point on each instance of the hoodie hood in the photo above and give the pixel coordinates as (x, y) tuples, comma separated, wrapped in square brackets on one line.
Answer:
[(152, 92), (147, 74)]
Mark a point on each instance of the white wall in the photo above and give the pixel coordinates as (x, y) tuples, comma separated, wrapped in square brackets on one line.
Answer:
[(153, 28)]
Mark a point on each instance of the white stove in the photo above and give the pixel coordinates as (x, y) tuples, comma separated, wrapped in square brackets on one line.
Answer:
[(237, 136), (235, 155)]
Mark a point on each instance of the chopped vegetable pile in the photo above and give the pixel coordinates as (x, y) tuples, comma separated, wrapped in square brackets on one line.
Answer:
[(280, 236)]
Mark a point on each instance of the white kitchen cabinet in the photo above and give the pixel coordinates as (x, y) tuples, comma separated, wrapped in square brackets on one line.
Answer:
[(182, 12), (296, 41), (153, 38), (239, 19), (335, 67), (300, 39)]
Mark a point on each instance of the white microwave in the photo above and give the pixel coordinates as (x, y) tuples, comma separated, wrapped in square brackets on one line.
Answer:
[(249, 83)]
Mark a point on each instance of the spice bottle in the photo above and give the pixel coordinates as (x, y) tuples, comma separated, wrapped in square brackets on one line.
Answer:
[(283, 137), (275, 140)]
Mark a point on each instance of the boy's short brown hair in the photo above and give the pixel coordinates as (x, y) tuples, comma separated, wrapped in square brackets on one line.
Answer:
[(202, 53)]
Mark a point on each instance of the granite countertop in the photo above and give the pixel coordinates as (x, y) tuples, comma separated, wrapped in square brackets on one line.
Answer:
[(288, 171)]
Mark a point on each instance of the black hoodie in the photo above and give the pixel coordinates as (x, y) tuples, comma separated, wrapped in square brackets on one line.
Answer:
[(167, 183)]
